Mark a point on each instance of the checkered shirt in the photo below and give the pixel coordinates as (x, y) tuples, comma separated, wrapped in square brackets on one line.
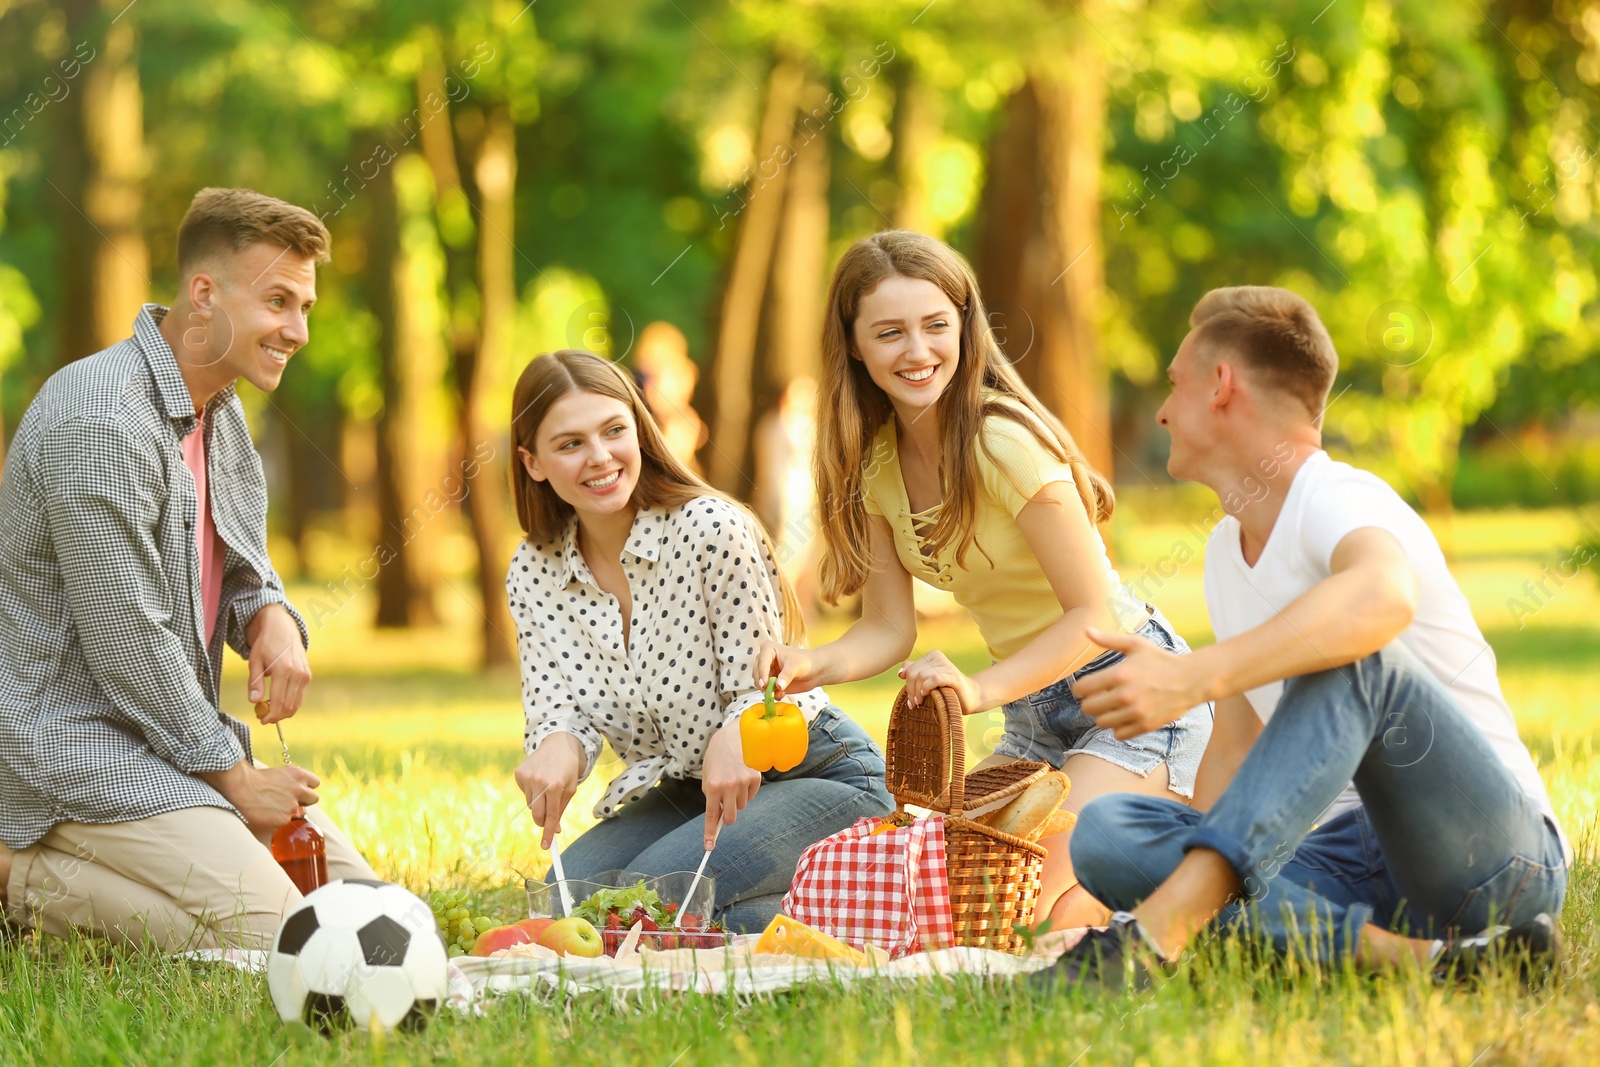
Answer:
[(108, 693)]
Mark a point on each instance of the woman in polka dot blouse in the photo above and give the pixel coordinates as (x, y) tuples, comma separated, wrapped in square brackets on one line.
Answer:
[(934, 461), (639, 596)]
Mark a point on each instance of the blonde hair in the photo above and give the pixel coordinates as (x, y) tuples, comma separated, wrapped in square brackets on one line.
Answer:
[(222, 222), (1277, 335), (663, 480), (851, 409)]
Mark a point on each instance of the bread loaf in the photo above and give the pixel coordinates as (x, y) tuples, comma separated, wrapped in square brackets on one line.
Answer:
[(1059, 823), (1027, 814)]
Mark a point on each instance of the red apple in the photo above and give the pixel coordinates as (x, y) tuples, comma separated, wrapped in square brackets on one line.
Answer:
[(535, 927), (572, 936), (499, 937)]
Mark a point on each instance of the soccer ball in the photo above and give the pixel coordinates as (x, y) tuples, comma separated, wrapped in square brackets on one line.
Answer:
[(358, 949)]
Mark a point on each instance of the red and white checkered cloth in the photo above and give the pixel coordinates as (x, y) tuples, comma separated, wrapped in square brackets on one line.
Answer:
[(890, 889)]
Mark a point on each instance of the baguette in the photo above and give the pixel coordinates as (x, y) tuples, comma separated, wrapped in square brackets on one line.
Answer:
[(1033, 808)]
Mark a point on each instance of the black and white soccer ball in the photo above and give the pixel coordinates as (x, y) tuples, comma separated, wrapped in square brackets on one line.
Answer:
[(362, 951)]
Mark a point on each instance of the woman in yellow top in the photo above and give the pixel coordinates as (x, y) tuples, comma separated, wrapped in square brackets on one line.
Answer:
[(934, 461)]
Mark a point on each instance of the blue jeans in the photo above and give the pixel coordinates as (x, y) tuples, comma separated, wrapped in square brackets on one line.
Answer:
[(1445, 841), (840, 780)]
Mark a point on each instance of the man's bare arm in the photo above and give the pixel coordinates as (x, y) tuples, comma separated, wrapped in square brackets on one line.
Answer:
[(1366, 602)]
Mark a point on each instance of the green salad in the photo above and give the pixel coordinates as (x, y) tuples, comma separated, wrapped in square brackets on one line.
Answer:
[(624, 903), (619, 909)]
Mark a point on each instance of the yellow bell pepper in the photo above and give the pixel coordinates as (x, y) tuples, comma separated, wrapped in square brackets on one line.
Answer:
[(774, 734), (893, 821)]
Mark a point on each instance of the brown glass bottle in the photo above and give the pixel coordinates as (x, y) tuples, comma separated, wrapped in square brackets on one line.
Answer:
[(300, 851)]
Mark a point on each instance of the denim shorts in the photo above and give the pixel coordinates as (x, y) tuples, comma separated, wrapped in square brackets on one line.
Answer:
[(1050, 726)]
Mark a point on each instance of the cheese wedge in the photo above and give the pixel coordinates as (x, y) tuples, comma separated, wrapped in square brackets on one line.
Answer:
[(787, 937)]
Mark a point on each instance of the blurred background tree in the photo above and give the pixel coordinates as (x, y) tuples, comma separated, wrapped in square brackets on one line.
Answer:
[(504, 178)]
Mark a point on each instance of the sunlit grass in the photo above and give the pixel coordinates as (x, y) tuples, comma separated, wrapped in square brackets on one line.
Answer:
[(416, 749)]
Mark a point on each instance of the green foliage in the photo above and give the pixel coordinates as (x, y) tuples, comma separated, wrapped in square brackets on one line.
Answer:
[(1533, 473), (1374, 158), (18, 311), (1424, 172)]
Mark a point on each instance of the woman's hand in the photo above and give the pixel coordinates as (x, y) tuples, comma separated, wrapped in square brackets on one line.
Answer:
[(797, 669), (548, 778), (923, 676), (729, 783)]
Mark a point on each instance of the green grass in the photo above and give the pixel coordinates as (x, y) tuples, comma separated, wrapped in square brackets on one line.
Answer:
[(416, 748)]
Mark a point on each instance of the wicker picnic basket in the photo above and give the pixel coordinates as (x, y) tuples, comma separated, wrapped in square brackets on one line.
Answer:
[(994, 876)]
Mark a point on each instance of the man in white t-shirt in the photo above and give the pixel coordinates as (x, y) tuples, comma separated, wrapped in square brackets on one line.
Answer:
[(1364, 791)]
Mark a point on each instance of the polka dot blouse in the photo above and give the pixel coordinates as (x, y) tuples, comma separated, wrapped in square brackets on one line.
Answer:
[(704, 591)]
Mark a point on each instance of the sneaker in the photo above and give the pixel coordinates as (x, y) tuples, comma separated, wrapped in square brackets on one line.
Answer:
[(1121, 956), (1533, 946)]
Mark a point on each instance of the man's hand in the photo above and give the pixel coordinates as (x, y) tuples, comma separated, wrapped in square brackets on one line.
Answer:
[(924, 675), (728, 781), (276, 653), (267, 797), (548, 778), (1149, 688)]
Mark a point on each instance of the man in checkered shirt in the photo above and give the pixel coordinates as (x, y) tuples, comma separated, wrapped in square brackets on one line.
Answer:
[(132, 548)]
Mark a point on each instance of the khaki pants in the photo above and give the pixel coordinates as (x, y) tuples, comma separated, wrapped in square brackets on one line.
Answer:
[(194, 878)]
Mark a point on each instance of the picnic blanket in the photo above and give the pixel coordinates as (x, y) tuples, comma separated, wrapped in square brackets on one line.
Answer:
[(737, 969)]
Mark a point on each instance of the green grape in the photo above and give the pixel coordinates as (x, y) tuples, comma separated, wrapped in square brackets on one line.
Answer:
[(455, 952), (457, 912), (483, 923)]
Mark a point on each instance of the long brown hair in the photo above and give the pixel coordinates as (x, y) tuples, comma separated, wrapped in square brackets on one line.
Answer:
[(663, 480), (851, 409)]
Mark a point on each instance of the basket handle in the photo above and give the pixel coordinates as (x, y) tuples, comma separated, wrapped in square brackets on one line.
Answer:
[(925, 758)]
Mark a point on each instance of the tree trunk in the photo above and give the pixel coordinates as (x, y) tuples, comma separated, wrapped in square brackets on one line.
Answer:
[(1009, 250), (1041, 254), (403, 600), (1072, 373), (293, 491), (446, 147), (800, 263), (742, 300), (99, 180), (917, 123), (483, 374)]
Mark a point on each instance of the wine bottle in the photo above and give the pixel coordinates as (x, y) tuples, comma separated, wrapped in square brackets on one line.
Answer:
[(302, 853)]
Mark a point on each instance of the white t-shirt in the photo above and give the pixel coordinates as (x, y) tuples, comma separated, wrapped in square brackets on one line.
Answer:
[(1326, 502)]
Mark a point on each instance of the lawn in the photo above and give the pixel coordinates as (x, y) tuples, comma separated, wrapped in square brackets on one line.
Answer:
[(416, 749)]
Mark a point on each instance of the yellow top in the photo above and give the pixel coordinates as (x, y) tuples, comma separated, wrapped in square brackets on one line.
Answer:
[(1002, 584)]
